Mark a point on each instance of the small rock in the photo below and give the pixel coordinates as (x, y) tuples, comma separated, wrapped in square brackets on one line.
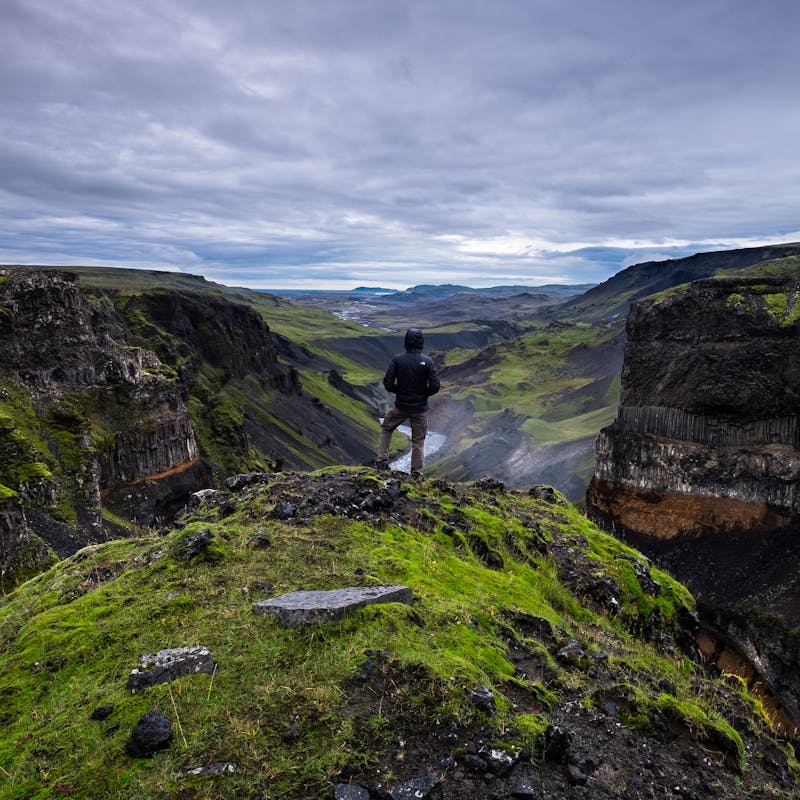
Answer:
[(523, 789), (227, 508), (490, 485), (500, 761), (291, 734), (206, 497), (576, 775), (259, 540), (167, 665), (220, 768), (610, 709), (193, 545), (557, 742), (101, 713), (607, 592), (647, 582), (284, 509), (475, 763), (546, 493), (668, 687), (237, 482), (424, 787), (481, 697), (152, 733), (349, 791), (571, 653)]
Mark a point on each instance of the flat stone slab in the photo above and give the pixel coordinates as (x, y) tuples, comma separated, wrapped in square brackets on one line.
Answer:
[(167, 665), (296, 609)]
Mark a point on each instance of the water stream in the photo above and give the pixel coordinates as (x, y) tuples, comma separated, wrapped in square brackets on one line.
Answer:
[(433, 443)]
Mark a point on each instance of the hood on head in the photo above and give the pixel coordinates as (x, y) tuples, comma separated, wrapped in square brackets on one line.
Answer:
[(414, 339)]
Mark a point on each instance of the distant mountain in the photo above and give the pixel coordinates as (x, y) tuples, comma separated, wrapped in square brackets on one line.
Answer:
[(615, 295), (450, 289)]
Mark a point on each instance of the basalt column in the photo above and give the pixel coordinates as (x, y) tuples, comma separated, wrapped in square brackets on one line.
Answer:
[(707, 438)]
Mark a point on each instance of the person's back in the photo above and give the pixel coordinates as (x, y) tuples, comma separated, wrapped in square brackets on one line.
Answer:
[(412, 378)]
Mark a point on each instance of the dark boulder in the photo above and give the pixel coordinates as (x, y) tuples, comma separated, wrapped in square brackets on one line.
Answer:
[(152, 733)]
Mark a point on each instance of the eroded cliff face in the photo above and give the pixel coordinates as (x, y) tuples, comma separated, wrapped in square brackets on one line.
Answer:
[(701, 469), (81, 413), (707, 438), (115, 405)]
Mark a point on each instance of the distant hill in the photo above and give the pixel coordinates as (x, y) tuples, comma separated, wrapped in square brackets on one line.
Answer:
[(449, 289), (615, 295)]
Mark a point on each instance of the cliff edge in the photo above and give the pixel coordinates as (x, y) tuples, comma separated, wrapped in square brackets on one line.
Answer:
[(706, 437)]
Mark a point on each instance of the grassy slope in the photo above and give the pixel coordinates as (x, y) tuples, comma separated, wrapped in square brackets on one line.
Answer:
[(69, 638), (531, 376)]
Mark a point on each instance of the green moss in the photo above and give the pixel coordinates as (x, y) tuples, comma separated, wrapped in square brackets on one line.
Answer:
[(783, 307), (737, 302), (707, 725), (69, 638), (530, 728)]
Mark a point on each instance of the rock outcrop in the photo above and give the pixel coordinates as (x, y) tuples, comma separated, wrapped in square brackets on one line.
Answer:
[(707, 437), (116, 405), (82, 413), (22, 552), (701, 469)]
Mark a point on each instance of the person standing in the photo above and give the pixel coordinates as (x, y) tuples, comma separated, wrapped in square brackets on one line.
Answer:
[(412, 378)]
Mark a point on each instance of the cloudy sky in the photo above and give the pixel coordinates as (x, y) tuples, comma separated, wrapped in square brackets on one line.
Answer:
[(336, 143)]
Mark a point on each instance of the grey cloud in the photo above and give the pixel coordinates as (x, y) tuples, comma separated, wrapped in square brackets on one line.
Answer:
[(356, 132)]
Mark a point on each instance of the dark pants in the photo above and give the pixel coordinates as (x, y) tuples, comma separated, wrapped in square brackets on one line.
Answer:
[(419, 429)]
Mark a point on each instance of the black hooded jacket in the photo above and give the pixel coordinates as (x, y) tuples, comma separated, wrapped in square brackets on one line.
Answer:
[(412, 376)]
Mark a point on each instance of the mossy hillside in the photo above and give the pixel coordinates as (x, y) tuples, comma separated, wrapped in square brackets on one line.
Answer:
[(783, 269), (41, 452), (538, 376), (302, 325), (243, 420), (477, 561)]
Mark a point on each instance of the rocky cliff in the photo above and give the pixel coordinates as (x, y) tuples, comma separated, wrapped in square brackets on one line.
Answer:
[(116, 404), (82, 412), (707, 439), (701, 469)]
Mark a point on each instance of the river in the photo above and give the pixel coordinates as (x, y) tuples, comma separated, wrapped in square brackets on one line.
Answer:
[(433, 443)]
